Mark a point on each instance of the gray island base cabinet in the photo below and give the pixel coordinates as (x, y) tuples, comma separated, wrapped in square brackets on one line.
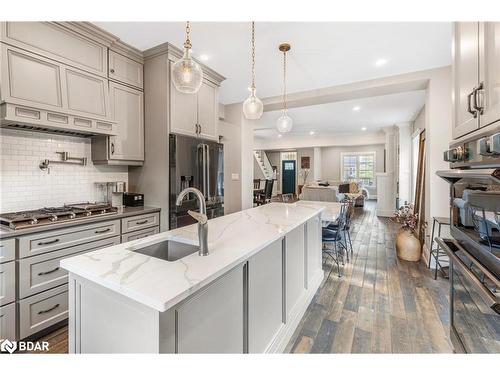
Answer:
[(254, 307)]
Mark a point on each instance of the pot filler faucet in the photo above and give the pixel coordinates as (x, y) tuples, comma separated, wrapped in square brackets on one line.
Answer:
[(200, 217)]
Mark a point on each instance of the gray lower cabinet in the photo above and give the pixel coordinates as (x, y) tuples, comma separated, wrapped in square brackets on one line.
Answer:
[(7, 250), (42, 310), (134, 223), (44, 242), (140, 234), (40, 282), (212, 320), (265, 297), (295, 270), (42, 272), (7, 283), (8, 322)]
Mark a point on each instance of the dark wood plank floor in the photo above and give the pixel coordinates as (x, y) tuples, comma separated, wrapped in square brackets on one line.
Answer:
[(380, 305)]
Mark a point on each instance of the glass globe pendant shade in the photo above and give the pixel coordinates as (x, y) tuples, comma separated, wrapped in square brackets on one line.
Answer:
[(284, 123), (187, 74), (253, 107)]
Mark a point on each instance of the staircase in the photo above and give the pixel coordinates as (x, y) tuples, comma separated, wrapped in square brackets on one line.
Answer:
[(264, 164)]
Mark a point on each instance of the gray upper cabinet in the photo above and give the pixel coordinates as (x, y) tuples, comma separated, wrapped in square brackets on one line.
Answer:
[(125, 70), (59, 42), (127, 147), (465, 76), (195, 114), (183, 112), (127, 106), (476, 75), (208, 104), (39, 91), (489, 71)]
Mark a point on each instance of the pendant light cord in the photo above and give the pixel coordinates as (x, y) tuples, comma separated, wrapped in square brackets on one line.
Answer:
[(285, 107), (187, 43), (253, 56)]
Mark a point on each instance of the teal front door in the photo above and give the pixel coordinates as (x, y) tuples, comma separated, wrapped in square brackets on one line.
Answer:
[(288, 173)]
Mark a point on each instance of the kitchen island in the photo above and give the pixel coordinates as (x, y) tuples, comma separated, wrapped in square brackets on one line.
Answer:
[(247, 295)]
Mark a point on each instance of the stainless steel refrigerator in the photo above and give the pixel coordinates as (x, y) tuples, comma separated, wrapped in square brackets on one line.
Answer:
[(198, 163)]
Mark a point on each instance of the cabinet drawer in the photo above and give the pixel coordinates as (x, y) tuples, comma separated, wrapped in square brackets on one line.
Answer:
[(7, 283), (54, 240), (7, 250), (42, 310), (8, 322), (134, 223), (140, 234), (42, 272), (125, 70)]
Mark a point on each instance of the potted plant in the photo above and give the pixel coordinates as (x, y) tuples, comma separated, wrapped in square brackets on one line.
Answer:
[(408, 246)]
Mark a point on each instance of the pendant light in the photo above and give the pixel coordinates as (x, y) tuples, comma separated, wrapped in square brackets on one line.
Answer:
[(253, 107), (187, 74), (284, 123)]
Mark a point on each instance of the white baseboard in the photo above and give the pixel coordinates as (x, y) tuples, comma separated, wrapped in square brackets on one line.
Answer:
[(283, 336)]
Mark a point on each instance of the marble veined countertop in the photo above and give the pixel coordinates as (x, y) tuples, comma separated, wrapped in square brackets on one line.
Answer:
[(160, 284)]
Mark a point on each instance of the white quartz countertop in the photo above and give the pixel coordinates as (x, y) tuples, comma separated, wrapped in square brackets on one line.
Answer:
[(231, 239)]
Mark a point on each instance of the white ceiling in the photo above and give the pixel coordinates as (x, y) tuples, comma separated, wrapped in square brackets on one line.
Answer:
[(322, 55), (374, 113)]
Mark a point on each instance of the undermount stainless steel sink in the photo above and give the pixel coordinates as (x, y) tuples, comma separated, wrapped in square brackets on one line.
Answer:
[(168, 250)]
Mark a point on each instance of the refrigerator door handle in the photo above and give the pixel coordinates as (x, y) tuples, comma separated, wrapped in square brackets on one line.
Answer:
[(207, 153)]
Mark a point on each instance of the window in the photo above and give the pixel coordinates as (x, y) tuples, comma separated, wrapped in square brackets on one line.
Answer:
[(358, 166)]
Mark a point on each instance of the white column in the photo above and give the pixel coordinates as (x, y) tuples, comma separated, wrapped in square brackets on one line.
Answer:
[(386, 182), (317, 163)]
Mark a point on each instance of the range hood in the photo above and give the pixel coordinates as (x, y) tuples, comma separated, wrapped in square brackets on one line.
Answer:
[(14, 116)]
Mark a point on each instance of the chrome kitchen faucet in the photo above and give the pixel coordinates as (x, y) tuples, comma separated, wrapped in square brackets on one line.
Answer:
[(200, 217)]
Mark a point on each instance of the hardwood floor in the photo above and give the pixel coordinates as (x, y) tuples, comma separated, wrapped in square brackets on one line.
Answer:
[(58, 342), (380, 305)]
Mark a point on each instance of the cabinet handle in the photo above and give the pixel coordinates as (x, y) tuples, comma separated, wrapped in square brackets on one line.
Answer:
[(141, 222), (111, 70), (48, 272), (469, 108), (112, 148), (200, 128), (102, 231), (475, 102), (48, 310), (48, 242)]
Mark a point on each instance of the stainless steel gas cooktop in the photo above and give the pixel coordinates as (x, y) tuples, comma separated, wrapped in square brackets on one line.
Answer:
[(51, 215)]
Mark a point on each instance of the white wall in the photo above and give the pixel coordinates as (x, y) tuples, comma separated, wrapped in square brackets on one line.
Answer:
[(305, 152), (233, 114), (231, 138), (317, 164), (330, 161), (24, 186), (405, 166)]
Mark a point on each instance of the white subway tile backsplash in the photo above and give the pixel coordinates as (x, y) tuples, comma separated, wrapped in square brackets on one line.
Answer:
[(24, 186)]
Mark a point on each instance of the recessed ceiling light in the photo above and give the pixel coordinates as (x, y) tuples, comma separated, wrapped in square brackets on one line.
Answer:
[(280, 135), (203, 57), (356, 108), (363, 128), (311, 133), (380, 62)]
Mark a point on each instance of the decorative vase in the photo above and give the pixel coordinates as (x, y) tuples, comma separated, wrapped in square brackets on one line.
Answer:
[(408, 246)]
